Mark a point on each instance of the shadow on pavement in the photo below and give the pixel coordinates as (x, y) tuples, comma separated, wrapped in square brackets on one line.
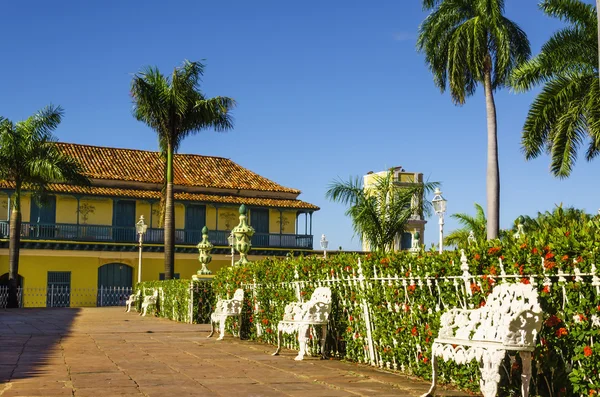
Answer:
[(30, 341)]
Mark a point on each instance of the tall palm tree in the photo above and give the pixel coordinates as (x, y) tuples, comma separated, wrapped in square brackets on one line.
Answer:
[(30, 159), (567, 110), (476, 224), (381, 212), (174, 107), (471, 42)]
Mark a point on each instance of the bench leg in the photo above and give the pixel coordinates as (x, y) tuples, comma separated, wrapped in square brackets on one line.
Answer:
[(434, 366), (222, 327), (490, 371), (303, 331), (144, 310), (526, 374), (128, 304), (279, 332), (212, 327), (323, 339)]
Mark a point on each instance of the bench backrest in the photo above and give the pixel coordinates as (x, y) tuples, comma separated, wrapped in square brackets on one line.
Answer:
[(511, 315), (238, 295), (319, 306)]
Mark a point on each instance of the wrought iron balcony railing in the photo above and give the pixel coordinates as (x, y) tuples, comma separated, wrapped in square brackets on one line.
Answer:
[(123, 234)]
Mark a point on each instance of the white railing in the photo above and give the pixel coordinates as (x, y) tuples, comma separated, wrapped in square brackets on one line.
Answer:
[(348, 284), (65, 296)]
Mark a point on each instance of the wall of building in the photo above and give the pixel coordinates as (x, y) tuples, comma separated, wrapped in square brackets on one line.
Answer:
[(34, 266)]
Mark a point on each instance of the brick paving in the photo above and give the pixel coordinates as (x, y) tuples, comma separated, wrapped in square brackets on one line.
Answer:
[(107, 352)]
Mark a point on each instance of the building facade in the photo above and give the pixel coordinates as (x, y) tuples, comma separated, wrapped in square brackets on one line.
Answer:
[(416, 224), (85, 237)]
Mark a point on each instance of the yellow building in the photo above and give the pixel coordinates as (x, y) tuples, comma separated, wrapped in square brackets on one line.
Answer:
[(416, 223), (85, 237)]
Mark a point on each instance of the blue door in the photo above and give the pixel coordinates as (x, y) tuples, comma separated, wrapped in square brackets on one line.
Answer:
[(259, 220), (114, 284), (124, 221), (406, 241), (43, 218), (195, 220)]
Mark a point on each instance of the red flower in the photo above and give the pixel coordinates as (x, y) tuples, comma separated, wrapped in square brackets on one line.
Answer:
[(523, 246), (414, 331), (525, 280), (475, 288), (552, 321), (534, 250), (384, 261), (350, 318), (549, 255), (269, 330), (561, 332), (565, 257), (265, 321), (549, 265), (587, 351), (546, 289), (411, 288), (567, 234), (477, 257), (494, 250), (425, 360), (593, 392)]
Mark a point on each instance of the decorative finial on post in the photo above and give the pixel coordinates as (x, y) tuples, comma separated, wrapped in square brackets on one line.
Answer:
[(471, 239), (243, 234), (520, 232), (204, 248)]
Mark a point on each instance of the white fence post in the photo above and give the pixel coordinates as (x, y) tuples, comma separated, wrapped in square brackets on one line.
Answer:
[(367, 315), (191, 303)]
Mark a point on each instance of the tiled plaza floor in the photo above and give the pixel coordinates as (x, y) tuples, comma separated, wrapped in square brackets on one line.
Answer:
[(102, 352)]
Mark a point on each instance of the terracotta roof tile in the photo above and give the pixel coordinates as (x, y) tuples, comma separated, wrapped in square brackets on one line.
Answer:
[(190, 169), (155, 195)]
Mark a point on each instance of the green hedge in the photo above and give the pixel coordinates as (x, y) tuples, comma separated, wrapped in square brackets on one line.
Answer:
[(405, 312), (174, 299)]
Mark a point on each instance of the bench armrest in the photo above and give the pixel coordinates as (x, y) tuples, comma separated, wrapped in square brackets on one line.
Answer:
[(229, 306)]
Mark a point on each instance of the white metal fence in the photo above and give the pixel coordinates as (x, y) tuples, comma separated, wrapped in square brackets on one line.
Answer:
[(378, 291), (65, 296)]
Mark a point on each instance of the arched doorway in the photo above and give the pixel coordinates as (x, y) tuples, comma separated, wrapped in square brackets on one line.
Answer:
[(4, 280), (114, 284)]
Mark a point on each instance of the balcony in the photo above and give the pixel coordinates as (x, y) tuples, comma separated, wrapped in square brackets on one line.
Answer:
[(117, 234)]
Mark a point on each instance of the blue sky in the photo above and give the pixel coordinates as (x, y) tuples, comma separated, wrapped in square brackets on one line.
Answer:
[(325, 90)]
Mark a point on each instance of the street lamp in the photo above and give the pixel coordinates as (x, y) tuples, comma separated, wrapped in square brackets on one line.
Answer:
[(140, 228), (324, 244), (439, 206), (231, 240)]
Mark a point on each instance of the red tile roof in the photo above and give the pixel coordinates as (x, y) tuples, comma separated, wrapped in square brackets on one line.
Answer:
[(180, 196), (189, 169)]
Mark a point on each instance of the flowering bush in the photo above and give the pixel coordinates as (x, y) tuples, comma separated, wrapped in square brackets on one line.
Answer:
[(396, 302)]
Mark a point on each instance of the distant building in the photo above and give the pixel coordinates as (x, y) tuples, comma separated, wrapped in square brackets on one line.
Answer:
[(85, 237), (416, 223)]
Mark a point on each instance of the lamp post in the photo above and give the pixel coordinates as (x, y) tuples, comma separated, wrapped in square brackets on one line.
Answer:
[(439, 206), (140, 228), (231, 240), (324, 244)]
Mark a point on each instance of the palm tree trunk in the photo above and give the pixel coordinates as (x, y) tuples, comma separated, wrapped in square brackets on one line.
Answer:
[(598, 17), (169, 218), (493, 170), (13, 250)]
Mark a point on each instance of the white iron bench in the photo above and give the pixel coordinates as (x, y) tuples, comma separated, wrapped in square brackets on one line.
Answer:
[(299, 317), (227, 308), (508, 323), (132, 299), (149, 300)]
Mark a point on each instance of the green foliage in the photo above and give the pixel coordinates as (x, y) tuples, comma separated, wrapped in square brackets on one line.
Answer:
[(380, 213), (174, 299), (566, 112), (477, 224), (405, 312)]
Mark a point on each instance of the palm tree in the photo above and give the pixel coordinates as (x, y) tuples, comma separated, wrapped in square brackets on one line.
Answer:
[(567, 110), (476, 224), (174, 107), (30, 159), (471, 42), (381, 212)]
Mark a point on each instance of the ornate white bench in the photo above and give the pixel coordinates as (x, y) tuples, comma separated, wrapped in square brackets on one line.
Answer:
[(132, 299), (149, 300), (299, 317), (227, 308), (509, 322)]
